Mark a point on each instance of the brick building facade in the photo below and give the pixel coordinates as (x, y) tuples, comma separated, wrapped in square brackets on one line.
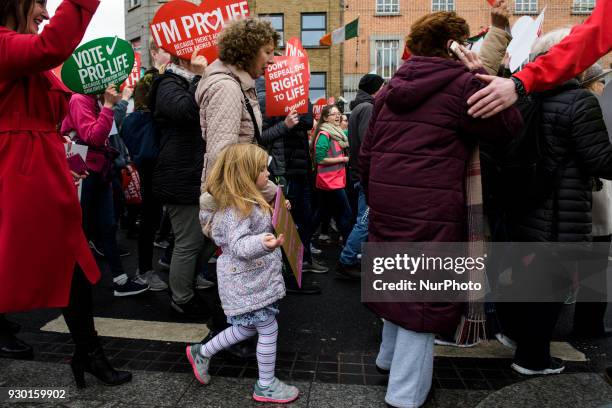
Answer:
[(385, 23), (308, 21)]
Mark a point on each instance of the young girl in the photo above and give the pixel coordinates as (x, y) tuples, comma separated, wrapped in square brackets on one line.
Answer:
[(238, 218)]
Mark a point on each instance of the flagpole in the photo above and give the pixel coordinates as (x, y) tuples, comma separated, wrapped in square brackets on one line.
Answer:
[(342, 7), (357, 47)]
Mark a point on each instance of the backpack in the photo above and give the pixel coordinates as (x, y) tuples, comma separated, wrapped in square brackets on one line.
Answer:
[(123, 155), (517, 176), (138, 132), (139, 135)]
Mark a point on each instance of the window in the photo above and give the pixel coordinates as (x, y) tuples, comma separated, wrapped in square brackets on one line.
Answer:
[(387, 57), (443, 5), (134, 3), (278, 22), (318, 86), (525, 6), (387, 6), (583, 6), (314, 26), (136, 44)]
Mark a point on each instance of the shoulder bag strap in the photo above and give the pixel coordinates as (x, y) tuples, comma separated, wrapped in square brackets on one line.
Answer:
[(253, 119)]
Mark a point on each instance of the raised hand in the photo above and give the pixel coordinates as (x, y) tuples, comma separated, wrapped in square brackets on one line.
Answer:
[(198, 63), (111, 96)]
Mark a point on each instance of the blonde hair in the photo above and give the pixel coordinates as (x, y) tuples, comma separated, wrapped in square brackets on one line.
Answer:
[(232, 180)]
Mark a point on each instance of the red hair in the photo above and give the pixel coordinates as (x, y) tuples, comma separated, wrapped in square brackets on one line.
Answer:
[(429, 34)]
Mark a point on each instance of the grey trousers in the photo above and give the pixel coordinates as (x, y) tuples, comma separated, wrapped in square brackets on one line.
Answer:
[(191, 248), (409, 356)]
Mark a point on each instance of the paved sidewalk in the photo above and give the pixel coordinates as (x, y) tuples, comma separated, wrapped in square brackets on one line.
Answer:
[(157, 389), (166, 389)]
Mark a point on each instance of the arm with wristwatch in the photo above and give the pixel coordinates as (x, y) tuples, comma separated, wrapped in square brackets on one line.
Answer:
[(563, 62)]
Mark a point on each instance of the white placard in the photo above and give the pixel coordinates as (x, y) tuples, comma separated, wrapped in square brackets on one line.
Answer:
[(519, 54), (518, 29)]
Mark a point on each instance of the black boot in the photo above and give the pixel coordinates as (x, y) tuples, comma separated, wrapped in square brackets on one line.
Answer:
[(96, 364), (12, 347), (8, 326)]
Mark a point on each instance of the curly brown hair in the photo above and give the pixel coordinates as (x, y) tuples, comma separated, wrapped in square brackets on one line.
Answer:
[(240, 41), (429, 34)]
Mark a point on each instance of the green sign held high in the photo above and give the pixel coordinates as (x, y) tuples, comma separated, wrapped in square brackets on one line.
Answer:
[(97, 64)]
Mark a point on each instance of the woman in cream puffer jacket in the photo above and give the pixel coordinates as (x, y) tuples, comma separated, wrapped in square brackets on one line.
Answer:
[(246, 48)]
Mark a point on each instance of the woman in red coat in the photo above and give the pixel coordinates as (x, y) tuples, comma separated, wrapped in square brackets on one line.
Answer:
[(44, 258)]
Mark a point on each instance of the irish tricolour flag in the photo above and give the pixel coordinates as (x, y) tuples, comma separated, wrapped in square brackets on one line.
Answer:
[(351, 30)]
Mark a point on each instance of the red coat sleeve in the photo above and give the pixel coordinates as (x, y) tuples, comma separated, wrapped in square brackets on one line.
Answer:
[(26, 54), (582, 48)]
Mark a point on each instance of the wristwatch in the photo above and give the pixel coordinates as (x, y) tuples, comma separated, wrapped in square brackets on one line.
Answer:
[(518, 86)]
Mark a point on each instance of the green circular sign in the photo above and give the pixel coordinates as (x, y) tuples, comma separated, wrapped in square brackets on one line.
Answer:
[(97, 64)]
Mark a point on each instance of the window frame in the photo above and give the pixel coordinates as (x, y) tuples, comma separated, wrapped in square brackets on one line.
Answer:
[(581, 10), (381, 4), (324, 89), (302, 30), (376, 42), (446, 2), (281, 43), (528, 7), (134, 3)]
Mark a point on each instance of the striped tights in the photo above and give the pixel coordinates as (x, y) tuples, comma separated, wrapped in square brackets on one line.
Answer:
[(266, 345)]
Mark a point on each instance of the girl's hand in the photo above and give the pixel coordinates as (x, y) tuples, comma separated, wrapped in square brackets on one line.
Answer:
[(271, 242), (287, 205)]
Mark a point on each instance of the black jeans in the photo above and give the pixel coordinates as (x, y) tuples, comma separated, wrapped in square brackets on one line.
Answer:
[(299, 192), (150, 217), (531, 324), (98, 217), (335, 203), (589, 315)]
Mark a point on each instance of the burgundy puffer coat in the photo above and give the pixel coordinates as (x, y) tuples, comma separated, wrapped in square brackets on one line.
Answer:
[(413, 164)]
